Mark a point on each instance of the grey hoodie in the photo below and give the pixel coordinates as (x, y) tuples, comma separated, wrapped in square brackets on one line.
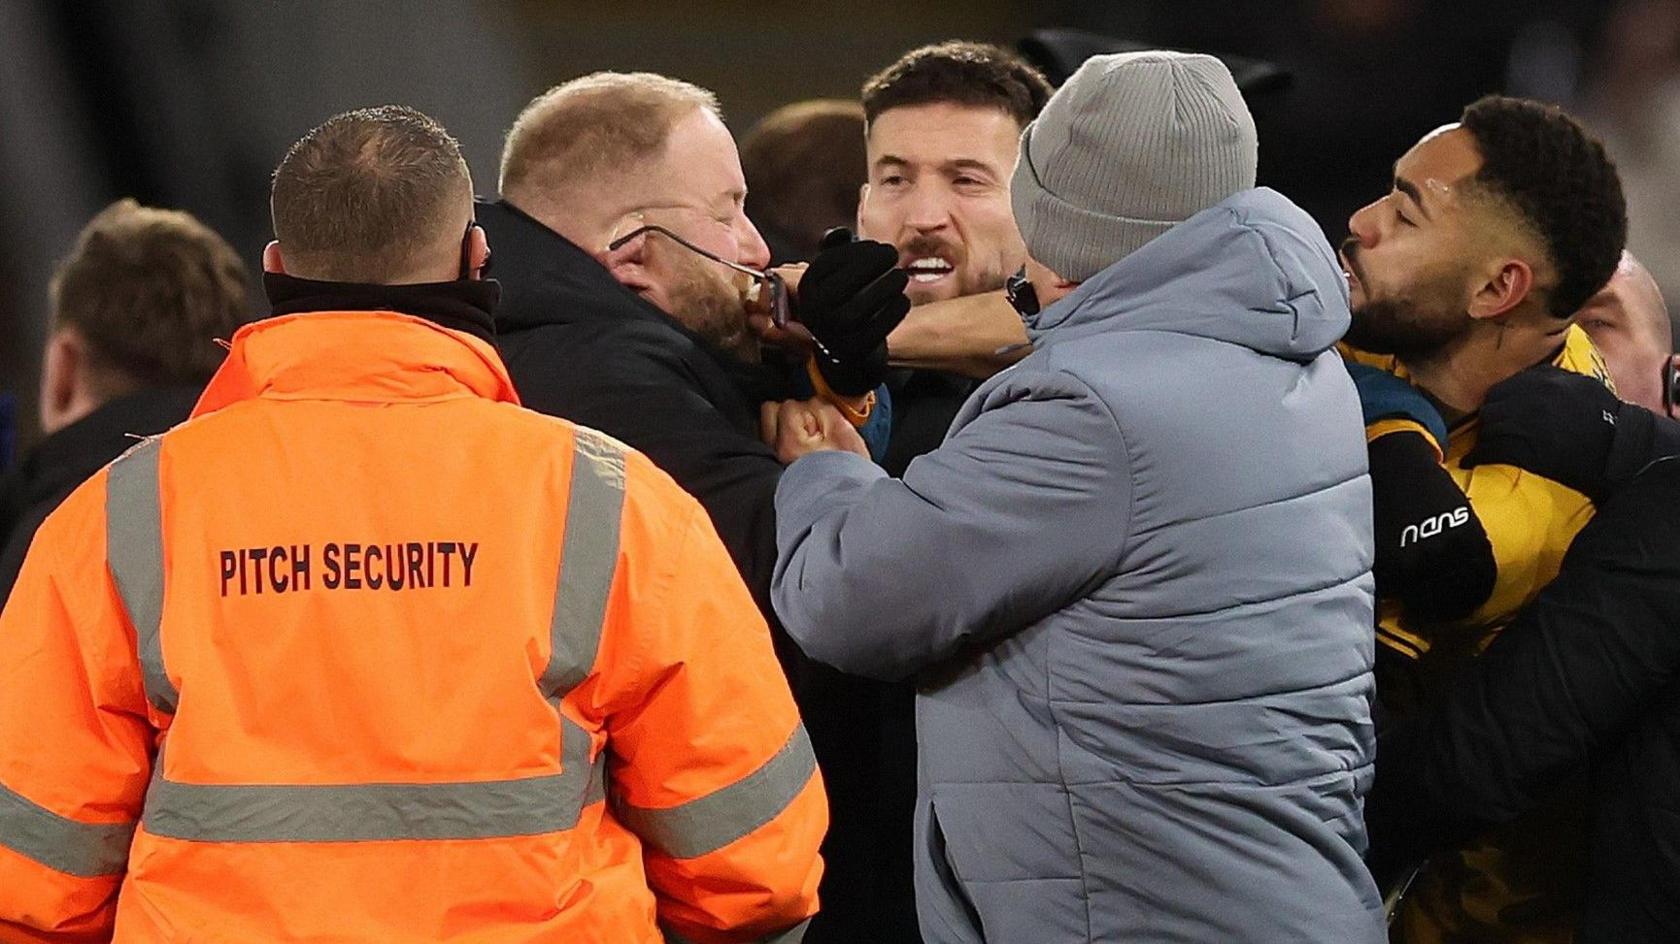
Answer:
[(1134, 585)]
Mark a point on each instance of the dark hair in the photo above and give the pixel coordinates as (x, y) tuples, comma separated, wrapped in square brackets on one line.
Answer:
[(1558, 178), (804, 163), (149, 291), (355, 199), (962, 73)]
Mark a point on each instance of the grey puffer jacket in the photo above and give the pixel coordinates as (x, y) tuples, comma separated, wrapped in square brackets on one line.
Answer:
[(1135, 583)]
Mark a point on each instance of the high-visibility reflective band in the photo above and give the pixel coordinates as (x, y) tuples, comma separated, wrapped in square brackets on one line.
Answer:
[(589, 556), (377, 811), (709, 823), (372, 812), (134, 550), (574, 759), (85, 850), (792, 935)]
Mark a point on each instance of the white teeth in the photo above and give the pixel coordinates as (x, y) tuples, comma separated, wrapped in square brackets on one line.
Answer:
[(933, 264), (927, 276)]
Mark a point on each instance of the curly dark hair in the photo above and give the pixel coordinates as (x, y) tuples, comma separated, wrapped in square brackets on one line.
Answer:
[(961, 73), (1558, 178)]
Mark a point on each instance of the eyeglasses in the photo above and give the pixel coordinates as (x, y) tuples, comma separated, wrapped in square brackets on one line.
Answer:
[(778, 300), (1021, 294)]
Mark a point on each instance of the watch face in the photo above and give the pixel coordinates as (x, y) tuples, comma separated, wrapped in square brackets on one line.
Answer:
[(1670, 386), (1019, 290)]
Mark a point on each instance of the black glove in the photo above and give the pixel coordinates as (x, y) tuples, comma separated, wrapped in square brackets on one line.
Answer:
[(1571, 429), (1432, 553), (850, 299)]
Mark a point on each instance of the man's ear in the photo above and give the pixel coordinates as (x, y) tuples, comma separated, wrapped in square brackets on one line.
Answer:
[(63, 380), (478, 252), (1503, 290), (629, 264), (863, 197), (1674, 404), (271, 259)]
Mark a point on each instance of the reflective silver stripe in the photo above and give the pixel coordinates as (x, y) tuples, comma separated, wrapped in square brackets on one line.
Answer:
[(589, 556), (597, 790), (86, 850), (584, 779), (709, 823), (379, 811), (588, 560), (792, 935), (371, 812), (134, 550)]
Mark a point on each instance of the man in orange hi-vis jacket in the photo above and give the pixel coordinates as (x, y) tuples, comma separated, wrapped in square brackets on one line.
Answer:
[(366, 652)]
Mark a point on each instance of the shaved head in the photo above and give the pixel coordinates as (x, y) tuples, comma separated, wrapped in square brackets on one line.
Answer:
[(584, 152), (377, 195), (1628, 321)]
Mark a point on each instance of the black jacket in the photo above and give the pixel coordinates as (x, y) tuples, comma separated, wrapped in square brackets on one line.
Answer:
[(1585, 682), (581, 346), (67, 458), (924, 404)]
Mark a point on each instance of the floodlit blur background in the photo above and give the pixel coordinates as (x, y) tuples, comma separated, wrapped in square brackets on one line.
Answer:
[(190, 103)]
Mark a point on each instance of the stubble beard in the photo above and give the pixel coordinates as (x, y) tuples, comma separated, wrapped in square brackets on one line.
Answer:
[(711, 306), (1410, 330)]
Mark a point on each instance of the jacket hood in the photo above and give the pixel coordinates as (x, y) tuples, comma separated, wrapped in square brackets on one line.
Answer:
[(368, 356), (1253, 270)]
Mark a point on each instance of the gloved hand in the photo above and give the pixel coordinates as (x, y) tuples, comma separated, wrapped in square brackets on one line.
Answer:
[(1385, 396), (1433, 555), (1571, 429), (850, 299)]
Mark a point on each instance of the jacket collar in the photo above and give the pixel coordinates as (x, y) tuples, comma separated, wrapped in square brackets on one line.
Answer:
[(70, 455), (466, 305), (368, 356), (551, 280)]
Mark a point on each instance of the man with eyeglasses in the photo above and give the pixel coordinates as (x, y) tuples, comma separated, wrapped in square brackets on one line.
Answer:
[(625, 256), (627, 265)]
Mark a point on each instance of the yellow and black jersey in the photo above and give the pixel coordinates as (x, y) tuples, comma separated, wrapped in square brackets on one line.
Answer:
[(1530, 520), (1516, 882)]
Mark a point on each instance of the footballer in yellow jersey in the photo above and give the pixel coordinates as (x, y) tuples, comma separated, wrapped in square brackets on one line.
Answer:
[(1471, 269)]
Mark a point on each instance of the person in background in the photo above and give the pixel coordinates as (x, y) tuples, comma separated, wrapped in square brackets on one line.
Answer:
[(1144, 669), (140, 309), (361, 650), (1629, 324), (803, 165)]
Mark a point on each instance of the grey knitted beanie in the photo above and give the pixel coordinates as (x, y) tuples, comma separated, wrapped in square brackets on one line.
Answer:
[(1132, 145)]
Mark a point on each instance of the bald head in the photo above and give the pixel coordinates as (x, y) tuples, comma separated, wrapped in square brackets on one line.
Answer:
[(584, 153), (378, 195), (1628, 321)]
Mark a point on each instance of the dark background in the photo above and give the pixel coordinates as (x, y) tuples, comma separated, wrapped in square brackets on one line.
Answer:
[(190, 103)]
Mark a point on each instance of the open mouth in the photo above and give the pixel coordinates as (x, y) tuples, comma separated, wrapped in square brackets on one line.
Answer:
[(1347, 271), (928, 269)]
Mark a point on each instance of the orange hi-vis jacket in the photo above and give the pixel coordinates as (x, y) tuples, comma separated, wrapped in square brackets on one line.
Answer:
[(366, 652)]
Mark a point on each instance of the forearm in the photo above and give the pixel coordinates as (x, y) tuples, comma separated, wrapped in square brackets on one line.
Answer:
[(977, 336)]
